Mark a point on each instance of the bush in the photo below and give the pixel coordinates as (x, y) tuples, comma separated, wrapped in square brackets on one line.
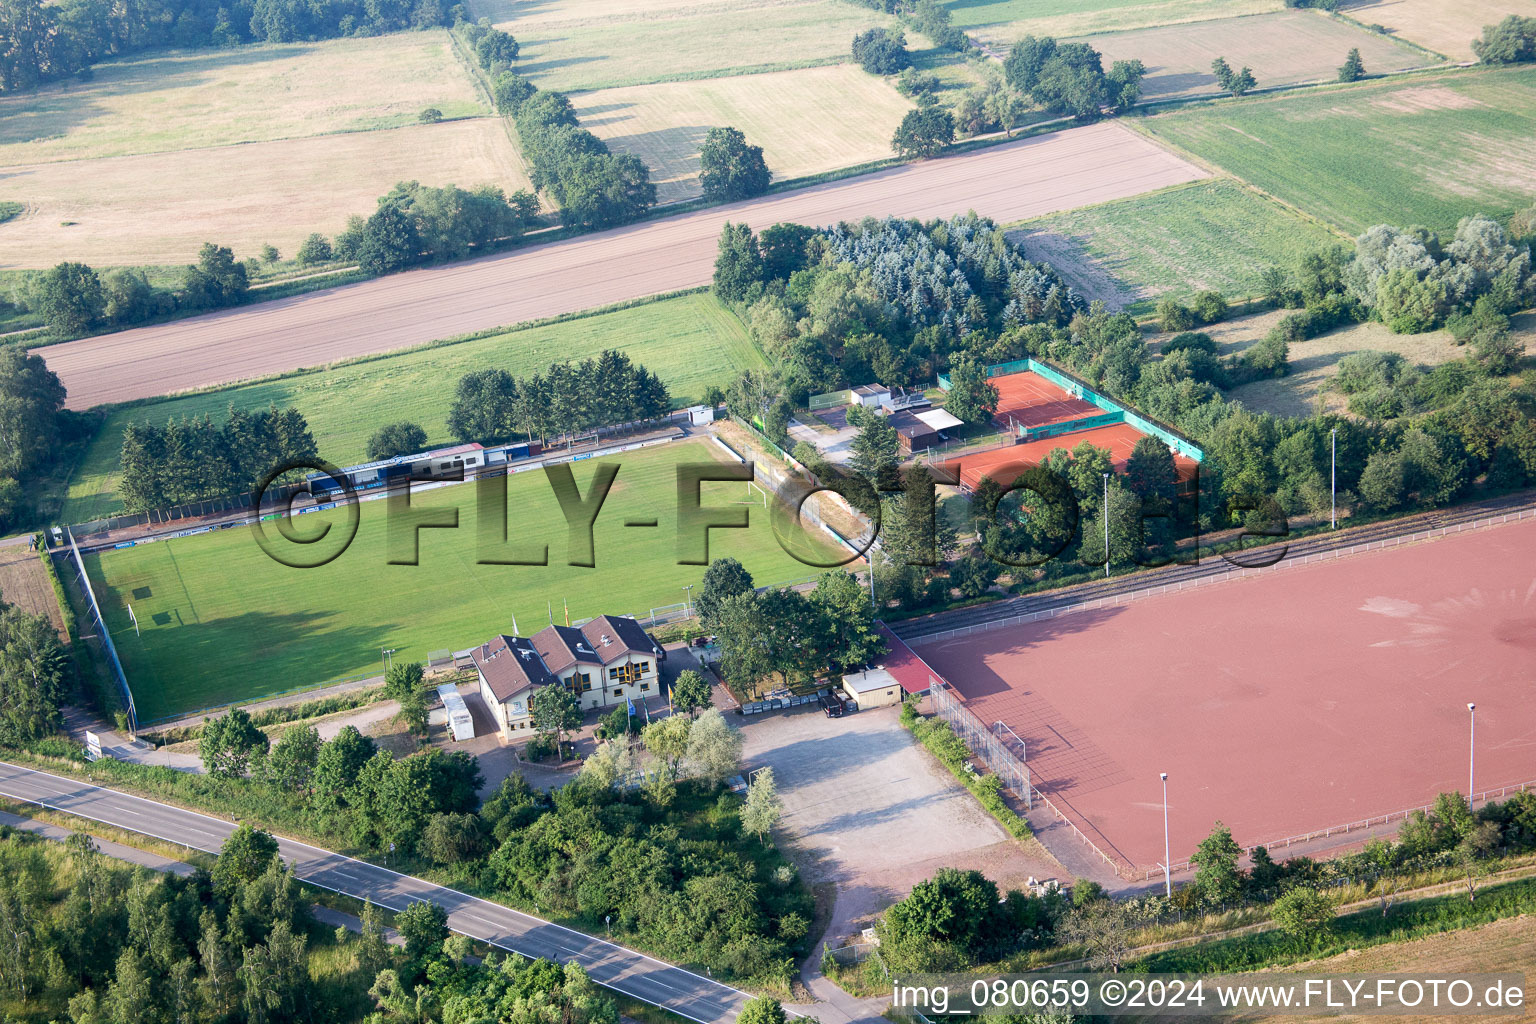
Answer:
[(402, 438), (269, 254), (913, 83), (430, 115), (314, 249), (1174, 316), (1511, 41), (1210, 307), (539, 748)]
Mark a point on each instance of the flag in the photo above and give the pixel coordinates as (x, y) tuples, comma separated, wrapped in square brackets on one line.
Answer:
[(567, 610), (631, 705), (551, 606), (514, 625)]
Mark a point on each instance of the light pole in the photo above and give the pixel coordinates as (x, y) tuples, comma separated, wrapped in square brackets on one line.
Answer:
[(687, 599), (1471, 749), (1333, 478), (1167, 860), (1106, 526), (385, 653)]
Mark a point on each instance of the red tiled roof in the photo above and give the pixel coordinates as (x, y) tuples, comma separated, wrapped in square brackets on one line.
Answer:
[(910, 671)]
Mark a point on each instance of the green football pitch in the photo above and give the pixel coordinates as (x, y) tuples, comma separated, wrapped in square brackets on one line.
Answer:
[(221, 622)]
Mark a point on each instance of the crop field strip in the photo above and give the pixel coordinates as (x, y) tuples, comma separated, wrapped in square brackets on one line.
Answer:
[(1439, 25), (1423, 149), (219, 621), (630, 47), (195, 99), (1004, 22), (158, 208), (690, 341), (1213, 234), (807, 121), (1283, 48)]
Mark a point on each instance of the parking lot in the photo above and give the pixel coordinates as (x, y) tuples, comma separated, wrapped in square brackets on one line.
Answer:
[(867, 808)]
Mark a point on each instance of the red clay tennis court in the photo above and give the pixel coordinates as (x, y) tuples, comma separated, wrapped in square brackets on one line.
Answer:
[(1029, 400), (1119, 438), (1292, 701)]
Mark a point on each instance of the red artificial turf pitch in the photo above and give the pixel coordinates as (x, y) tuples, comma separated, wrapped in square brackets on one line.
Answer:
[(1028, 399), (1004, 464), (1295, 700)]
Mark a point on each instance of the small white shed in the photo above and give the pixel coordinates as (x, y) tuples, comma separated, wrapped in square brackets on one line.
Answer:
[(872, 688), (459, 719), (700, 415)]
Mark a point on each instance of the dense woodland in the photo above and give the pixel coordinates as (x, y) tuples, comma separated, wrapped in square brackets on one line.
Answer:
[(44, 42)]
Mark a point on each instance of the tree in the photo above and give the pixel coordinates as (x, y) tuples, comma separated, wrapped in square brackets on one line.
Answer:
[(849, 620), (924, 132), (1353, 68), (69, 298), (1217, 878), (690, 691), (1151, 473), (403, 438), (229, 742), (610, 764), (337, 767), (34, 670), (1102, 929), (291, 764), (1511, 41), (876, 449), (217, 279), (1303, 912), (1174, 316), (881, 51), (714, 748), (389, 240), (729, 168), (1236, 83), (763, 807), (1472, 852), (725, 578), (762, 1010), (667, 739), (31, 399), (314, 249), (1123, 83), (495, 47), (423, 925), (245, 856), (453, 838), (739, 266), (971, 396), (509, 92), (556, 710)]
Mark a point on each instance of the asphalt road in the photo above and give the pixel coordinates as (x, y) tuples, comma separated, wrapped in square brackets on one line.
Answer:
[(1007, 182), (624, 970)]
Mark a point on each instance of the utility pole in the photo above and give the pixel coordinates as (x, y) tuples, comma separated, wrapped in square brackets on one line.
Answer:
[(1471, 750), (1167, 859), (1333, 479), (1106, 526)]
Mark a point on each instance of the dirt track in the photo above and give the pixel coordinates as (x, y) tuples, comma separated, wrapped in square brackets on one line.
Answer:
[(1009, 182)]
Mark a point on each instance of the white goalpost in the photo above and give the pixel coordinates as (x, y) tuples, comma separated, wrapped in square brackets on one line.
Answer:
[(751, 486), (135, 619)]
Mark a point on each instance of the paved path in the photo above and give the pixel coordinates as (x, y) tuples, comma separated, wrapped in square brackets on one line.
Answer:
[(624, 970), (1008, 182), (117, 851)]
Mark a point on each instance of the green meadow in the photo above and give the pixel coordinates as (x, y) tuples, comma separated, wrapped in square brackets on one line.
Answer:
[(220, 621)]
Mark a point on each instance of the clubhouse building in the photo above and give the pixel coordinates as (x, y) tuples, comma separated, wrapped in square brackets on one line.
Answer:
[(609, 660)]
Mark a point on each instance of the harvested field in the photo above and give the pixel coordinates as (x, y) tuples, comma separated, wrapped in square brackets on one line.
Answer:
[(807, 121), (1009, 182), (1284, 48), (586, 52), (159, 208), (1447, 28), (201, 98), (1314, 362), (24, 583), (1208, 235), (1004, 22), (1423, 149)]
